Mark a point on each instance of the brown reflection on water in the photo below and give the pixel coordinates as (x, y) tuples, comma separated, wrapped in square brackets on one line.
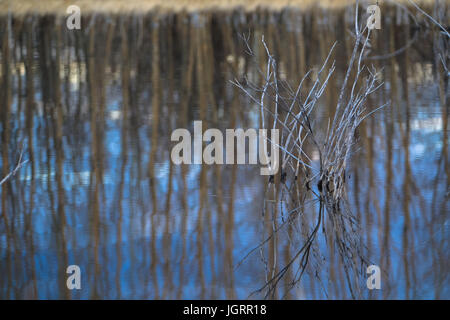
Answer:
[(95, 109)]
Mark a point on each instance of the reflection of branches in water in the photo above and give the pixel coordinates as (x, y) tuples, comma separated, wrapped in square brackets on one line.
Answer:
[(443, 30), (300, 133), (441, 46)]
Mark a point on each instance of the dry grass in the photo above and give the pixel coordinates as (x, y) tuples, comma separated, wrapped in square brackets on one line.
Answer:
[(19, 7)]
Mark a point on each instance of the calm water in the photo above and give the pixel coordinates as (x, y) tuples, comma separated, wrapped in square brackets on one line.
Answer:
[(94, 110)]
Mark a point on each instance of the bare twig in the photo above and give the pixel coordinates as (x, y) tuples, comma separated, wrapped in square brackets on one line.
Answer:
[(19, 165)]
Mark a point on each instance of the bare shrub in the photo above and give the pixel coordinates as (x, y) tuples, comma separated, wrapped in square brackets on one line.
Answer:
[(305, 182)]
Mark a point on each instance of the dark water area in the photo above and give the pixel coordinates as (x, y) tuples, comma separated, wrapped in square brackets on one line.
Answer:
[(94, 110)]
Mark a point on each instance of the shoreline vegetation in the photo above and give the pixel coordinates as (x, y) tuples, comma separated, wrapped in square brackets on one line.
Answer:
[(58, 7)]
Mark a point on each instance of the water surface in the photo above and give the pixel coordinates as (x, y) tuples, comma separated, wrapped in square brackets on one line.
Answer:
[(94, 110)]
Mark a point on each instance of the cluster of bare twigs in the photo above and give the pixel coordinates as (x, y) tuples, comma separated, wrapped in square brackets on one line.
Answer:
[(304, 179)]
